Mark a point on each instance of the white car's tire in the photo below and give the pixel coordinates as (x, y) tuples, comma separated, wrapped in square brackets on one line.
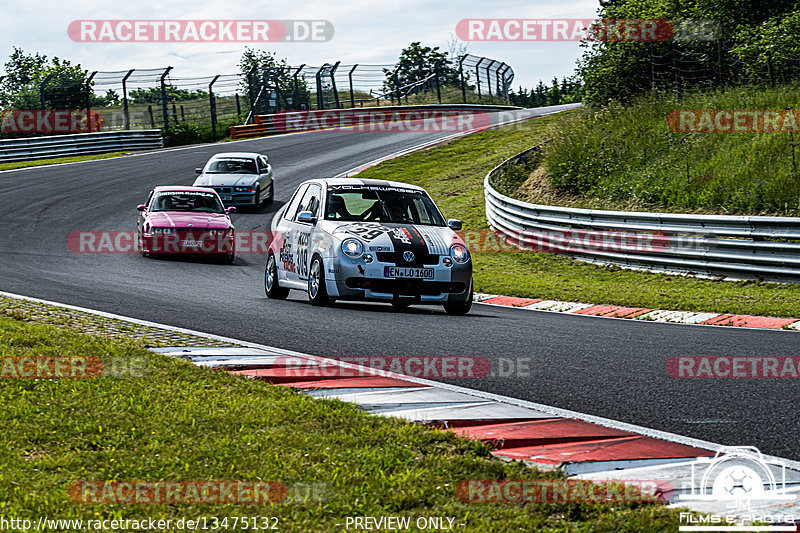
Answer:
[(317, 292), (271, 287)]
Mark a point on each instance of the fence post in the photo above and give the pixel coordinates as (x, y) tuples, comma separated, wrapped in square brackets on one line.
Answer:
[(89, 102), (478, 77), (164, 99), (320, 98), (397, 85), (333, 83), (41, 89), (489, 76), (126, 117), (152, 118), (238, 107), (350, 78), (297, 86), (212, 105), (265, 92), (677, 86), (500, 70), (436, 78), (506, 84), (250, 90), (461, 75)]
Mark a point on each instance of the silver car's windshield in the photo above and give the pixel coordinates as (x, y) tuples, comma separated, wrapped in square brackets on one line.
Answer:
[(370, 205), (191, 201), (238, 165)]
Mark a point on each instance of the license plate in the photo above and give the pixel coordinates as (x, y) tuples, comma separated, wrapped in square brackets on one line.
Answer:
[(408, 272), (226, 198), (192, 244)]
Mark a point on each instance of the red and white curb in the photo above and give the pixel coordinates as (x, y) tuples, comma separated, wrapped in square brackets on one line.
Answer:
[(583, 446), (641, 313)]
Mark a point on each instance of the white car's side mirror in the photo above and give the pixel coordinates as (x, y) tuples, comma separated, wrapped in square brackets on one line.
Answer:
[(306, 217), (454, 224)]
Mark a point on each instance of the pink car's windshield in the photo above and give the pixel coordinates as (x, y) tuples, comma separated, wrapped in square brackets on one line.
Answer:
[(191, 201)]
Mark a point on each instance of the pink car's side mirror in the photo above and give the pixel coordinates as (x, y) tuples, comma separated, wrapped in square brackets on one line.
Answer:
[(141, 207), (230, 210)]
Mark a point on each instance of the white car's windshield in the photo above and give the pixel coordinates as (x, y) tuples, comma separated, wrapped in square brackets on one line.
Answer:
[(232, 166), (192, 201), (382, 205)]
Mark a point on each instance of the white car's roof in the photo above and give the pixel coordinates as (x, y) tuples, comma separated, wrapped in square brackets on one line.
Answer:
[(368, 182), (235, 154)]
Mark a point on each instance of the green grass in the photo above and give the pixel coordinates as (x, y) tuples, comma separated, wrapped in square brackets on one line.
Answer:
[(57, 160), (453, 174), (626, 157), (181, 422)]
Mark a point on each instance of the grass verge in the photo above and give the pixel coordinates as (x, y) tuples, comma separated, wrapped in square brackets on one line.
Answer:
[(175, 421), (59, 160), (626, 156), (453, 174)]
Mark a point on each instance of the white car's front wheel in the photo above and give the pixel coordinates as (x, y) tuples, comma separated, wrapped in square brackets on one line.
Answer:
[(317, 293)]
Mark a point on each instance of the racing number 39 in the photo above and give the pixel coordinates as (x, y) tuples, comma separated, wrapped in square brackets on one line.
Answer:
[(302, 255)]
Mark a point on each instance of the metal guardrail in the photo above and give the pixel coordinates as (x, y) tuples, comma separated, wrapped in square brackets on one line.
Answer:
[(740, 247), (275, 123), (33, 148)]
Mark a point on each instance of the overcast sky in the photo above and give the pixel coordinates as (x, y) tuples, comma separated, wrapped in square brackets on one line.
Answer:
[(365, 32)]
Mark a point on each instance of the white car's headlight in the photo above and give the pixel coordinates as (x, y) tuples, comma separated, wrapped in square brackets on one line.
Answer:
[(459, 253), (352, 248)]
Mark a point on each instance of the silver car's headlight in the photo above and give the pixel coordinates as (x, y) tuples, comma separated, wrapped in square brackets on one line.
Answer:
[(352, 248), (459, 253), (243, 189)]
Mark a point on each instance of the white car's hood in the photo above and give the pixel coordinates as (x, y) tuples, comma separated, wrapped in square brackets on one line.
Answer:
[(241, 180), (390, 237)]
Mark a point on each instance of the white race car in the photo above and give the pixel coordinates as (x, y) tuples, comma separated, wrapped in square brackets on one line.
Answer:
[(354, 239), (240, 178)]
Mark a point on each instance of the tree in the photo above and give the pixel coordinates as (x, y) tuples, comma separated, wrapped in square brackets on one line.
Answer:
[(65, 88), (416, 63), (152, 95), (743, 30), (111, 98), (260, 69)]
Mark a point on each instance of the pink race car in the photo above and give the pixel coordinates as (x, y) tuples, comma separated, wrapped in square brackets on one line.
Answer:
[(186, 220)]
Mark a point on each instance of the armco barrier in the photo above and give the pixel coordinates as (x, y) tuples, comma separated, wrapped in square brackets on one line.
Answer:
[(79, 144), (743, 247), (270, 124)]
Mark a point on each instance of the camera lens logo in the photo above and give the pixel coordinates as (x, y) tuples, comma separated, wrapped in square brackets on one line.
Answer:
[(738, 475), (738, 482)]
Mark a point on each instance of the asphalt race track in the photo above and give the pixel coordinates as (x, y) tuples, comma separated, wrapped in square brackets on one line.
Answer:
[(609, 368)]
